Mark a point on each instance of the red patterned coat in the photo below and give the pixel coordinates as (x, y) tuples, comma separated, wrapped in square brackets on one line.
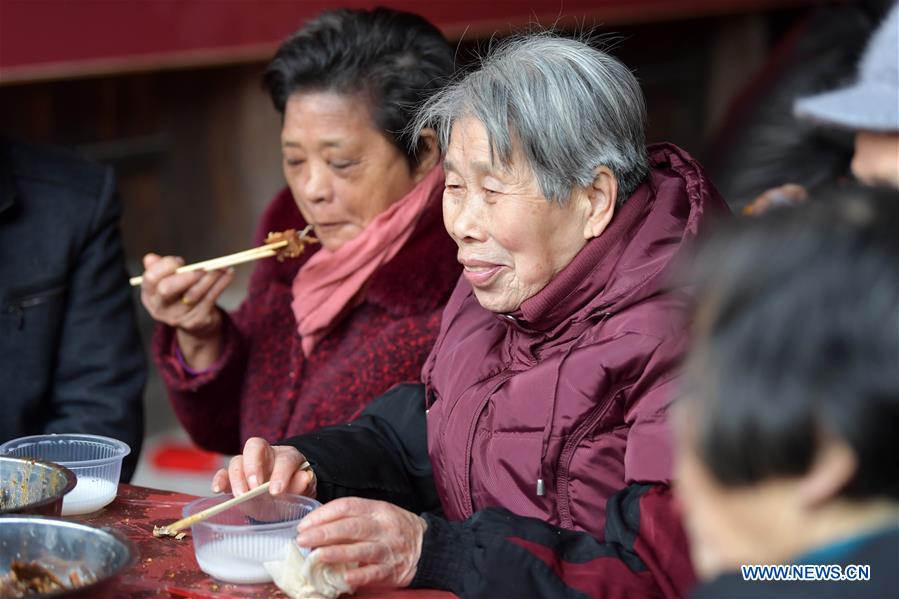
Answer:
[(264, 386)]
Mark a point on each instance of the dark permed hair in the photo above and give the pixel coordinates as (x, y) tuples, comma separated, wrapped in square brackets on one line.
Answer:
[(395, 60), (797, 341)]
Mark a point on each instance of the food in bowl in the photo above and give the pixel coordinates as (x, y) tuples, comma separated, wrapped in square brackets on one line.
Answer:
[(233, 546), (96, 462), (89, 495), (29, 486), (40, 555), (31, 578)]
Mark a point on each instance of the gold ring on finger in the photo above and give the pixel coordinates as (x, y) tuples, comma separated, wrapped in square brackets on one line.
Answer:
[(307, 467), (186, 301)]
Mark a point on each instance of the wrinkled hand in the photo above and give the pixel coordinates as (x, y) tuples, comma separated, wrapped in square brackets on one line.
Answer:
[(186, 300), (260, 462), (383, 539)]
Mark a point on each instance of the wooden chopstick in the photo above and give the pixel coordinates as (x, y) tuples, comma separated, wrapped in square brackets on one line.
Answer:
[(172, 529), (263, 251)]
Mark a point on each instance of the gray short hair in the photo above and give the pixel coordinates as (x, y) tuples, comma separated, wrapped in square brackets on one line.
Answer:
[(572, 108)]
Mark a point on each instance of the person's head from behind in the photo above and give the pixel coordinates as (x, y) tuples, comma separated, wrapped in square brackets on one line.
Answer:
[(542, 143), (869, 107), (347, 85), (787, 428)]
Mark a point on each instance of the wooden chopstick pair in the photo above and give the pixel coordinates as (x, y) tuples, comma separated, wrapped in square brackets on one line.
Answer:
[(263, 251), (173, 529)]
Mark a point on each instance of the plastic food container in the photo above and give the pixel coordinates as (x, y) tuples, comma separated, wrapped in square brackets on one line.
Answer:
[(96, 462), (232, 546)]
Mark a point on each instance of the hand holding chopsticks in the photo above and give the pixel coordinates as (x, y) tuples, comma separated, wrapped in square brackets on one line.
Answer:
[(289, 244)]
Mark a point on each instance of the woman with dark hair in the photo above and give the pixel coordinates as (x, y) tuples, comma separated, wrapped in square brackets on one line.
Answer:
[(318, 336), (788, 425)]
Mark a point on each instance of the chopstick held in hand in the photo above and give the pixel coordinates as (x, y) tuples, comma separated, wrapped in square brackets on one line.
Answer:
[(172, 530), (290, 244)]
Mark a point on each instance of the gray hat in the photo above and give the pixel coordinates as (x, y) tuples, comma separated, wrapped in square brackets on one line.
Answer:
[(872, 103)]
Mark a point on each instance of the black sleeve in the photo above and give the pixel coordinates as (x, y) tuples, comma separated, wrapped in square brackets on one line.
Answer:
[(496, 553), (382, 455), (100, 372)]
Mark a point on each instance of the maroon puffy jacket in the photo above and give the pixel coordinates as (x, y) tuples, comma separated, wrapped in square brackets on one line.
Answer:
[(571, 390)]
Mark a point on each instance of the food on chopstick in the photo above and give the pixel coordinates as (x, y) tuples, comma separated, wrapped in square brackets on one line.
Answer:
[(282, 245), (164, 531), (296, 242), (31, 578)]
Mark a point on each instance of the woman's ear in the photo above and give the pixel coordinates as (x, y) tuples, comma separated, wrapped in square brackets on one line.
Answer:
[(427, 153), (601, 197), (834, 466)]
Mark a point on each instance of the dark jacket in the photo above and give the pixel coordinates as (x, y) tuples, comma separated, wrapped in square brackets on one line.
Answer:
[(263, 385), (574, 389), (70, 355)]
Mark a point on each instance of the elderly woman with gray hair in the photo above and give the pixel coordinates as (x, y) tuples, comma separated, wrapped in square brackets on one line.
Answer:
[(536, 447)]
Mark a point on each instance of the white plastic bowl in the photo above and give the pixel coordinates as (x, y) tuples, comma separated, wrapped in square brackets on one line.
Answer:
[(232, 546), (95, 460)]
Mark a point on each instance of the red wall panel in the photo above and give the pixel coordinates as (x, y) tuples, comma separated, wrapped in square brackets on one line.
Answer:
[(42, 39)]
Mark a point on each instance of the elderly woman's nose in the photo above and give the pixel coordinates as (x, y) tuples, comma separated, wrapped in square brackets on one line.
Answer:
[(317, 185), (465, 219)]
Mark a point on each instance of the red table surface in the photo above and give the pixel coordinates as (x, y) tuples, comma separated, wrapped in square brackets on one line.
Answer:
[(167, 568)]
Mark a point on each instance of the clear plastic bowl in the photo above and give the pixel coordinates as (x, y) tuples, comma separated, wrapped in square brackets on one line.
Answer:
[(95, 460), (233, 545)]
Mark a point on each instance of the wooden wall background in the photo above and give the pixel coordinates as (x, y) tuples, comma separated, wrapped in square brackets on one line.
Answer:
[(197, 151)]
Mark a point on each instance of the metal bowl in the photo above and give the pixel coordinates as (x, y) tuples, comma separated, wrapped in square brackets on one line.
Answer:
[(29, 486), (96, 556)]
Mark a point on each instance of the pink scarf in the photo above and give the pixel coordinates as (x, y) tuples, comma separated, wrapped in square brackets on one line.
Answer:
[(330, 284)]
